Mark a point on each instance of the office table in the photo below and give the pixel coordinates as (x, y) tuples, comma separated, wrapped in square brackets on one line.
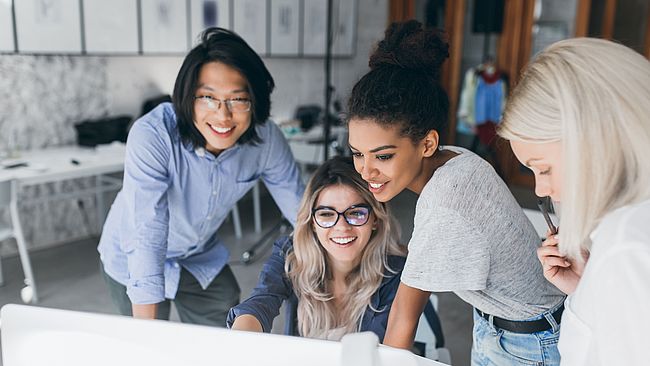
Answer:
[(58, 164), (69, 162)]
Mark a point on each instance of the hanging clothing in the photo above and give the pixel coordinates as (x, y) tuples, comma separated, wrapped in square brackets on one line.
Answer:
[(488, 105), (466, 121)]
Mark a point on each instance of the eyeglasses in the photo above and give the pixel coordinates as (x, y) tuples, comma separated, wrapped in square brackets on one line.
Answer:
[(327, 217), (236, 105)]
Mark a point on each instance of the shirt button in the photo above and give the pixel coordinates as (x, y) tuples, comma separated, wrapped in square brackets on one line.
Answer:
[(214, 193), (175, 264), (208, 217)]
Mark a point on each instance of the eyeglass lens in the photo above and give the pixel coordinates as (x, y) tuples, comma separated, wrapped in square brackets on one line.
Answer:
[(355, 216), (233, 105)]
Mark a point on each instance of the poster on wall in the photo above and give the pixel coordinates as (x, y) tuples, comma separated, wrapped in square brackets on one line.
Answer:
[(285, 27), (6, 27), (208, 13), (48, 26), (314, 28), (104, 32), (164, 26), (250, 23), (344, 20)]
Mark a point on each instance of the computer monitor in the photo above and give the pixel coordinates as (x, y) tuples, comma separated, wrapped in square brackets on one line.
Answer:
[(40, 336)]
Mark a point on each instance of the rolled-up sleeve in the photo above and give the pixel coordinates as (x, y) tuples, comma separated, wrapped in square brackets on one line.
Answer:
[(145, 219), (282, 175), (272, 289)]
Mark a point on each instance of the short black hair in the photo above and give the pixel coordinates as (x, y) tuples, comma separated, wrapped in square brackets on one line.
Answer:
[(222, 45), (402, 88)]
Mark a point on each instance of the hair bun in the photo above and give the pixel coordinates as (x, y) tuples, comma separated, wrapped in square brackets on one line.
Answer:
[(409, 46)]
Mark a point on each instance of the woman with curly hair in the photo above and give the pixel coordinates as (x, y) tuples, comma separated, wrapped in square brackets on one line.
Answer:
[(339, 270), (470, 235)]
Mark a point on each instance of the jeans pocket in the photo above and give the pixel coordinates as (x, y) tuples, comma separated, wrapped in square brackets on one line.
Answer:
[(523, 349)]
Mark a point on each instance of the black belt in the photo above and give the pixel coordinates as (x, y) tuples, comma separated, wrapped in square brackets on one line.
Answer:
[(523, 326)]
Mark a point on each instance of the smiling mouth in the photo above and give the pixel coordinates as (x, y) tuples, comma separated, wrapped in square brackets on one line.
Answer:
[(343, 241), (376, 187), (221, 130)]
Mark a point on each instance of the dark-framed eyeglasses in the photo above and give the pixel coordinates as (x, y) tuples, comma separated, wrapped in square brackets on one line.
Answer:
[(327, 217), (235, 105)]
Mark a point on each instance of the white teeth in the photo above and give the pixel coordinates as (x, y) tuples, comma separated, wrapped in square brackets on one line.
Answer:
[(376, 185), (343, 240), (221, 129)]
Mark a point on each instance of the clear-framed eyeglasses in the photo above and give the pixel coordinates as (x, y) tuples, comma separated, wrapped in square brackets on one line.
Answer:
[(327, 217), (235, 105)]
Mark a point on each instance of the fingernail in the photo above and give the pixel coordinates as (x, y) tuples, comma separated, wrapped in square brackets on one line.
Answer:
[(556, 237)]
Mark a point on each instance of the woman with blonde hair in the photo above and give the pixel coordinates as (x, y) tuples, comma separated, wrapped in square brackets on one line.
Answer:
[(340, 269), (579, 120)]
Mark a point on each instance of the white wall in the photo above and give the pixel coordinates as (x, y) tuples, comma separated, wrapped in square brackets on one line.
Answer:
[(133, 79)]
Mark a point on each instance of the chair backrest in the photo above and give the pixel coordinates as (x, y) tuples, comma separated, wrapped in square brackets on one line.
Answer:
[(6, 193)]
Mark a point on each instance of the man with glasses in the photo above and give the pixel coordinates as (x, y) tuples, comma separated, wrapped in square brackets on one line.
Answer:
[(187, 164)]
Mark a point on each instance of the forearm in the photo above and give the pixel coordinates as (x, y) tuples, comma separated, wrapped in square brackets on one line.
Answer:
[(144, 311), (247, 322), (404, 316)]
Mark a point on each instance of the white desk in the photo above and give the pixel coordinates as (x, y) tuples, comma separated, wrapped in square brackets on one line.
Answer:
[(56, 164)]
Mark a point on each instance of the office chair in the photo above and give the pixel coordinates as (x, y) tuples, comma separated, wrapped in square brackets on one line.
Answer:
[(8, 199)]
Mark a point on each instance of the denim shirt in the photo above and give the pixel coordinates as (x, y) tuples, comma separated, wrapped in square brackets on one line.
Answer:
[(175, 197), (274, 287)]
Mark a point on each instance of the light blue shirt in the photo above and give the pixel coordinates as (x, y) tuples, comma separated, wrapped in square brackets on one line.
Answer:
[(175, 197)]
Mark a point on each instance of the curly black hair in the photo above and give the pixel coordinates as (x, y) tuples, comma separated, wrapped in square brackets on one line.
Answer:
[(222, 45), (402, 88)]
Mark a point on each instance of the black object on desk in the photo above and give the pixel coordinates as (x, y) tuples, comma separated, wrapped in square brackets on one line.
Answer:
[(16, 165)]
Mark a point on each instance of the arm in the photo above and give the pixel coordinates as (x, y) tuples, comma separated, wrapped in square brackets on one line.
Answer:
[(145, 218), (404, 316), (281, 174), (619, 296), (266, 299), (145, 311)]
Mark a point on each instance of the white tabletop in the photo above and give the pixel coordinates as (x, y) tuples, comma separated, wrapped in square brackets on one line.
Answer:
[(55, 164)]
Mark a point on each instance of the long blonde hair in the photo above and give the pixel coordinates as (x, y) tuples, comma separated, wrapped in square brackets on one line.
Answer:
[(593, 96), (307, 264)]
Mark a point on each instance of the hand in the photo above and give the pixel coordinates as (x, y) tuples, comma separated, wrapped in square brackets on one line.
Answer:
[(247, 322), (562, 272)]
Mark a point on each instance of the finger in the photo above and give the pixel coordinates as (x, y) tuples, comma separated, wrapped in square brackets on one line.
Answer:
[(556, 262), (549, 251), (552, 241)]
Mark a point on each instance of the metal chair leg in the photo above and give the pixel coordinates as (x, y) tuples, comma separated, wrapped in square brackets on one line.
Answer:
[(236, 221), (29, 293)]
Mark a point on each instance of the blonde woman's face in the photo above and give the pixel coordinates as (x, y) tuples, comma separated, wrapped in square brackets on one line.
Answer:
[(545, 161), (343, 242)]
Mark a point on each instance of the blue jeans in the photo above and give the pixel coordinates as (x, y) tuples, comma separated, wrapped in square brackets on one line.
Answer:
[(498, 347)]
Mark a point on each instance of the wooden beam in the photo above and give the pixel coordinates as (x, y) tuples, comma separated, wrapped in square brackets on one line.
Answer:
[(582, 18), (400, 10), (454, 23), (608, 19)]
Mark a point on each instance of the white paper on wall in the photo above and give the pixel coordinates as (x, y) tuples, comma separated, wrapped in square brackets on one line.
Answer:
[(111, 26), (48, 26), (208, 13), (250, 23)]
